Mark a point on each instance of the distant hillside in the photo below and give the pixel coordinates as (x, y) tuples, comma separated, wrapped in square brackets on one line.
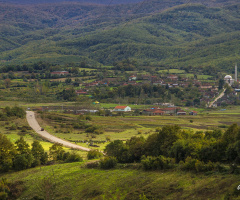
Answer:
[(157, 32)]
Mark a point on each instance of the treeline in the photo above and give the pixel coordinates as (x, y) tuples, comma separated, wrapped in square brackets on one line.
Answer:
[(19, 156), (146, 92), (43, 67), (170, 147)]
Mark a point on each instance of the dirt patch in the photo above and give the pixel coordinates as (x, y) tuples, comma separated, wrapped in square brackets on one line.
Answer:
[(229, 123), (195, 126)]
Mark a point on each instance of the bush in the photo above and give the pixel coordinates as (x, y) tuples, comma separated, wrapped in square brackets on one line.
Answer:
[(156, 163), (108, 163), (73, 157), (189, 164), (92, 165), (91, 129), (93, 154), (197, 165), (202, 167), (98, 132), (89, 118)]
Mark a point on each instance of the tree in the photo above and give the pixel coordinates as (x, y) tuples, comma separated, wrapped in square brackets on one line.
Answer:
[(161, 142), (7, 82), (7, 153), (220, 84), (23, 161), (68, 94), (119, 150), (22, 146), (136, 147), (56, 151), (38, 152)]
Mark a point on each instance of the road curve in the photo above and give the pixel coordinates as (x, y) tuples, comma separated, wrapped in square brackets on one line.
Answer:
[(35, 126)]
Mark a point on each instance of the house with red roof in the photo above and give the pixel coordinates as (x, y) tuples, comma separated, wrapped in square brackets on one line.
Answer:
[(172, 77), (122, 109), (153, 112), (133, 78), (172, 110), (79, 92), (193, 113), (181, 112)]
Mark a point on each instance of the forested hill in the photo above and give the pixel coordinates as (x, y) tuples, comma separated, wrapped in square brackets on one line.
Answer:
[(158, 32)]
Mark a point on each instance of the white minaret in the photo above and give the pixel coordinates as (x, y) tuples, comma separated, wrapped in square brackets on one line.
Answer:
[(236, 72)]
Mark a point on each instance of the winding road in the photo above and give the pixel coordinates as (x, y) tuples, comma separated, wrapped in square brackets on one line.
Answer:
[(35, 126)]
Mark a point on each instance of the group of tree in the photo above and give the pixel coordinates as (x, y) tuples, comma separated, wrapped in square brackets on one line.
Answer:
[(15, 111), (147, 92), (20, 156), (170, 145)]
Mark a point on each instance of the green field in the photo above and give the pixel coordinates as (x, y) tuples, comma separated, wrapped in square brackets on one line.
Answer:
[(172, 71), (125, 127)]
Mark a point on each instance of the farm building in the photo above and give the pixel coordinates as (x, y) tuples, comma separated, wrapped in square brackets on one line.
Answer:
[(122, 109), (172, 110), (193, 113), (153, 112), (181, 112)]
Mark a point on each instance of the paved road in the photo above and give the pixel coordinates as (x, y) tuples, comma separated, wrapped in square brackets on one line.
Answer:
[(220, 96), (35, 126)]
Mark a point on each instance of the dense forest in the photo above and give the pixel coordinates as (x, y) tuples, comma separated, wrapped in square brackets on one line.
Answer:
[(152, 32)]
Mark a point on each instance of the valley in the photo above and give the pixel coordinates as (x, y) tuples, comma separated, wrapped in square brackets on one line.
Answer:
[(132, 100)]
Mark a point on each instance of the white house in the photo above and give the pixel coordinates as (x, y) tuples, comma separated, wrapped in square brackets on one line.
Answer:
[(122, 109), (132, 78)]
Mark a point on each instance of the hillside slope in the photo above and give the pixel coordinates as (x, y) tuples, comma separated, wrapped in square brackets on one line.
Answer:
[(71, 181), (157, 33)]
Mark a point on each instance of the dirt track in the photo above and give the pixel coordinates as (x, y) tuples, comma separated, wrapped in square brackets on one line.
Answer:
[(35, 126), (220, 96)]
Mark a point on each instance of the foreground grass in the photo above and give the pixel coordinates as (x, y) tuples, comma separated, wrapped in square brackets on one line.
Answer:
[(73, 181)]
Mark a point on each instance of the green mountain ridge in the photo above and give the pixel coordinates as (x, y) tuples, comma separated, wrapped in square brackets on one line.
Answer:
[(189, 34)]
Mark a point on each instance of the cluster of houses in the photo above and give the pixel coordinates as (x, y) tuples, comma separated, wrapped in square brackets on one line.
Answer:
[(208, 90), (156, 111)]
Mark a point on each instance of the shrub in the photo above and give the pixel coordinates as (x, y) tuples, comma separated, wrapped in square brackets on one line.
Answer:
[(98, 131), (93, 154), (91, 129), (202, 167), (89, 118), (92, 165), (189, 164), (154, 163), (73, 157), (108, 163)]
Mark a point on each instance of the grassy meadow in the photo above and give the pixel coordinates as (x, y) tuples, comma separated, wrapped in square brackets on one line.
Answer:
[(74, 181)]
